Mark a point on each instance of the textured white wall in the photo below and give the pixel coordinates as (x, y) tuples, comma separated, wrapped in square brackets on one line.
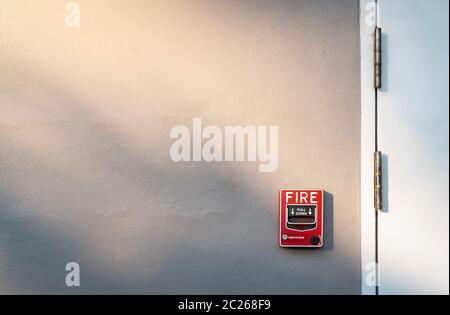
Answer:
[(85, 115)]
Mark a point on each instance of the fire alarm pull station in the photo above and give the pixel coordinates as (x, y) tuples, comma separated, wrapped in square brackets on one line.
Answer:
[(301, 218)]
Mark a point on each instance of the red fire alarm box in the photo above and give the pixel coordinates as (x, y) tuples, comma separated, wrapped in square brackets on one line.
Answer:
[(301, 218)]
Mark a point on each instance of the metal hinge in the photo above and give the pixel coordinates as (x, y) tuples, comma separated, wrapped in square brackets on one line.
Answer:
[(378, 200), (377, 181), (377, 57)]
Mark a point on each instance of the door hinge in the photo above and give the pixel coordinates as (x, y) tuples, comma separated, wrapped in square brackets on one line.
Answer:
[(378, 201), (377, 57)]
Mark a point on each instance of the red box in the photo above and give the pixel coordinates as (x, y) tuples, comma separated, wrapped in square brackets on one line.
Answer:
[(301, 218)]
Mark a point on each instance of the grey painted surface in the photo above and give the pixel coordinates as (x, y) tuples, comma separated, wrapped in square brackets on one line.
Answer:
[(85, 115)]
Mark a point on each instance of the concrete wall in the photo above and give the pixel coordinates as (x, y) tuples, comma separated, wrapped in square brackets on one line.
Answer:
[(85, 173)]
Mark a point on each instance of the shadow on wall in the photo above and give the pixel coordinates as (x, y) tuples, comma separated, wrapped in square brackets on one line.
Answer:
[(385, 182), (328, 225), (135, 226)]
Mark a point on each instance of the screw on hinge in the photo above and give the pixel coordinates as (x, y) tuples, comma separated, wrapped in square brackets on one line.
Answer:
[(377, 57), (378, 201)]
